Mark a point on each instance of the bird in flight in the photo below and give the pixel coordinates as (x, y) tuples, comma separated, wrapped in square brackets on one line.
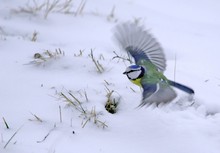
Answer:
[(150, 63)]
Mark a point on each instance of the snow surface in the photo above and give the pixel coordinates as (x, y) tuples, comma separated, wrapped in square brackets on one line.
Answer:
[(187, 29)]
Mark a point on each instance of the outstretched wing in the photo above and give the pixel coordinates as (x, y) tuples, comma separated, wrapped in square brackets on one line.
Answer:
[(140, 44), (157, 93)]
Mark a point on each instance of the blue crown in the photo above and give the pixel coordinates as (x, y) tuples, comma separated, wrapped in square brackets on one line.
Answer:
[(134, 66)]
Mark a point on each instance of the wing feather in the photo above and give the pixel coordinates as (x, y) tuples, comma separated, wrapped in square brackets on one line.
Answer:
[(157, 94), (140, 44)]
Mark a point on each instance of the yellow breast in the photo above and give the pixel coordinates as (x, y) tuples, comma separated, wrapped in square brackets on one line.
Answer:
[(137, 81)]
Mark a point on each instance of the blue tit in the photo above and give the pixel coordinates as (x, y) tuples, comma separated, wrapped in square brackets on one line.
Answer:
[(150, 63)]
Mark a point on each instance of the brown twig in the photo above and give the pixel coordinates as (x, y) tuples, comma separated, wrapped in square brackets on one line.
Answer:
[(123, 58)]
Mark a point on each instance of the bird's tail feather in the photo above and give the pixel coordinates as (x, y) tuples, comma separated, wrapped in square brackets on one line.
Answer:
[(181, 87)]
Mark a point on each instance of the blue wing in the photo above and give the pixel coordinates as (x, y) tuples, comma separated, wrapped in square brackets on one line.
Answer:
[(181, 87), (140, 44), (157, 93)]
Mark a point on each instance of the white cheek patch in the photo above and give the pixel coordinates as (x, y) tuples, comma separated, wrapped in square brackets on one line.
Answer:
[(134, 74)]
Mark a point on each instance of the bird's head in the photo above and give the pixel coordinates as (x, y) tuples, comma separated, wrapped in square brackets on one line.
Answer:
[(134, 72)]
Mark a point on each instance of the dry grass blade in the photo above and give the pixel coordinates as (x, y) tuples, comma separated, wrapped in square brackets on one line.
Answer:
[(37, 118), (67, 99), (99, 67), (132, 89), (103, 124), (6, 124), (30, 9), (73, 102), (111, 16), (84, 123), (34, 36), (12, 137), (93, 116), (80, 8), (47, 7), (107, 83), (86, 96), (86, 115), (45, 137), (65, 7), (46, 56), (50, 7), (79, 103), (80, 53), (60, 113)]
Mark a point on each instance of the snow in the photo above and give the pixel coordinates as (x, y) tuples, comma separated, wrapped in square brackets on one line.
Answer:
[(189, 31)]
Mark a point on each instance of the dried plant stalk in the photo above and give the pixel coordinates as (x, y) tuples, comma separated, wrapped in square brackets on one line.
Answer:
[(85, 114)]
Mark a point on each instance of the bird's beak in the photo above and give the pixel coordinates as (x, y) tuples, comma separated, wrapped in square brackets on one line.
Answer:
[(124, 72)]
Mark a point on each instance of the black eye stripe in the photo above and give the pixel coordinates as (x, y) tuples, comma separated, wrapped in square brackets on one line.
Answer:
[(133, 71)]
